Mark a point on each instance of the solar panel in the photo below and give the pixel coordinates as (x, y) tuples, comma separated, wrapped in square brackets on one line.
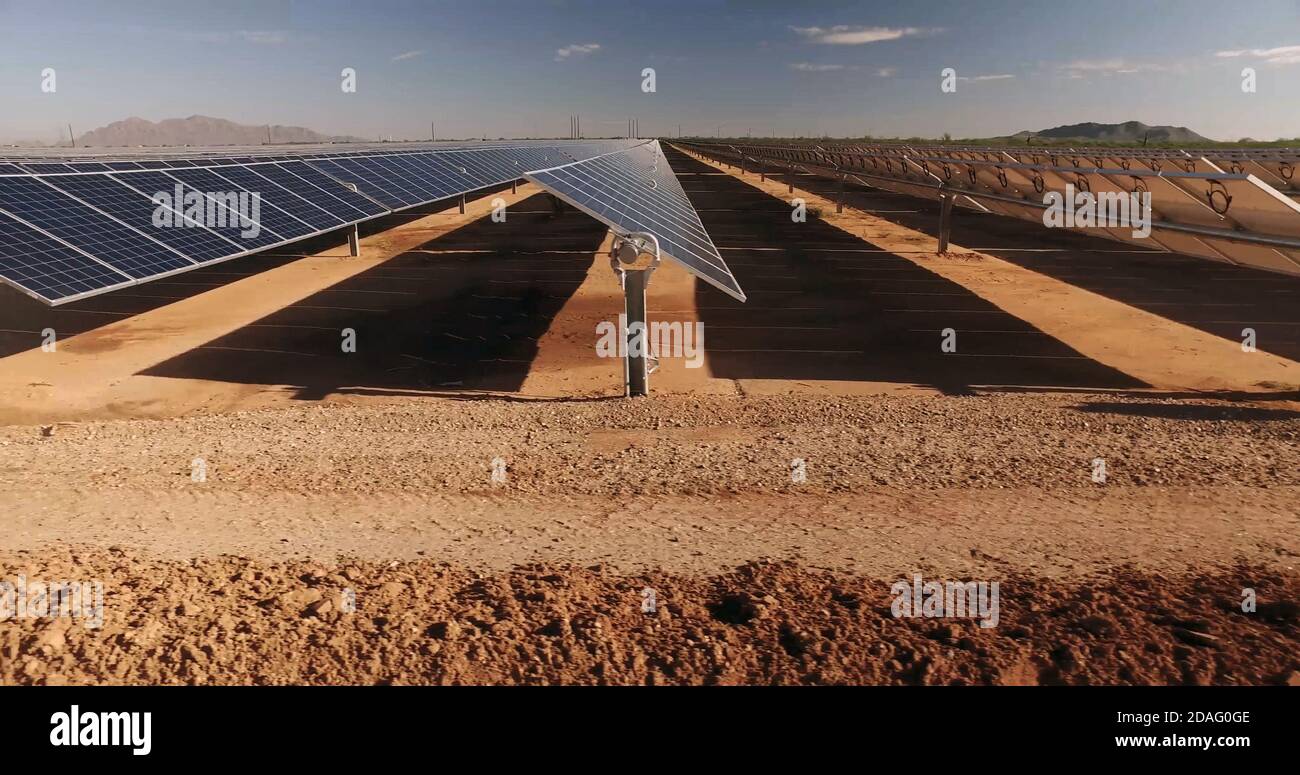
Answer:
[(351, 200), (42, 169), (438, 173), (49, 270), (87, 220), (86, 228), (418, 183), (635, 190), (312, 216), (368, 181), (1196, 207), (272, 224), (136, 209)]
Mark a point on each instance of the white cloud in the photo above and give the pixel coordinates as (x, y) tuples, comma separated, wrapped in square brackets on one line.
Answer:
[(999, 77), (845, 35), (576, 50), (805, 67), (1084, 67), (407, 55), (887, 72), (1281, 55)]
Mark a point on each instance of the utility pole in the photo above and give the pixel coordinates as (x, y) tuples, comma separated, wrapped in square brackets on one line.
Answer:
[(433, 132), (71, 136), (268, 134)]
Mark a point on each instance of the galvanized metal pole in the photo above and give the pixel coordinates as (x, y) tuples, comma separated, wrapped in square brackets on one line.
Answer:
[(637, 368), (354, 240), (945, 221)]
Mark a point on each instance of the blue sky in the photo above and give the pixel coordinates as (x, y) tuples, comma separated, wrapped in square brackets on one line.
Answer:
[(499, 68)]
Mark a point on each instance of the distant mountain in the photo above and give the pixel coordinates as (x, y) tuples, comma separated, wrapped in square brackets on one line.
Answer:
[(1120, 134), (198, 130)]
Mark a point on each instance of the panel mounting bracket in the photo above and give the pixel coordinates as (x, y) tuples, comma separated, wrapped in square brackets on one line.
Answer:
[(634, 257)]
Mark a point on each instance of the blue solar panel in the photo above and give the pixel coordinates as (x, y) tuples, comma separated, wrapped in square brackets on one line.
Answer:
[(46, 169), (420, 186), (135, 208), (368, 182), (48, 269), (439, 175), (272, 224), (89, 166), (286, 201), (351, 205), (153, 183), (636, 190), (87, 229), (104, 229)]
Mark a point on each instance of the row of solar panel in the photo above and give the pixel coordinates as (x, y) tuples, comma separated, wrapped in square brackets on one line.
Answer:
[(1275, 166), (1231, 217), (52, 165), (636, 191), (67, 236)]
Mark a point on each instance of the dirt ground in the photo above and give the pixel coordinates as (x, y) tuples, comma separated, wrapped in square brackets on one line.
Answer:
[(467, 499)]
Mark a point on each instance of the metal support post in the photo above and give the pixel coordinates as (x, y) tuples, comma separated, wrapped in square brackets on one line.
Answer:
[(629, 261), (945, 221)]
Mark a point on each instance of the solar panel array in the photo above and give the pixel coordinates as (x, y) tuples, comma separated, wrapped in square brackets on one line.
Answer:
[(1197, 208), (90, 223), (634, 189)]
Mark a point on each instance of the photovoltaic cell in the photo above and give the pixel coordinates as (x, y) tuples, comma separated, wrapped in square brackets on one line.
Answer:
[(314, 217), (284, 173), (153, 183), (636, 190), (79, 225), (100, 210), (273, 225), (137, 209), (390, 197), (46, 268), (42, 169)]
